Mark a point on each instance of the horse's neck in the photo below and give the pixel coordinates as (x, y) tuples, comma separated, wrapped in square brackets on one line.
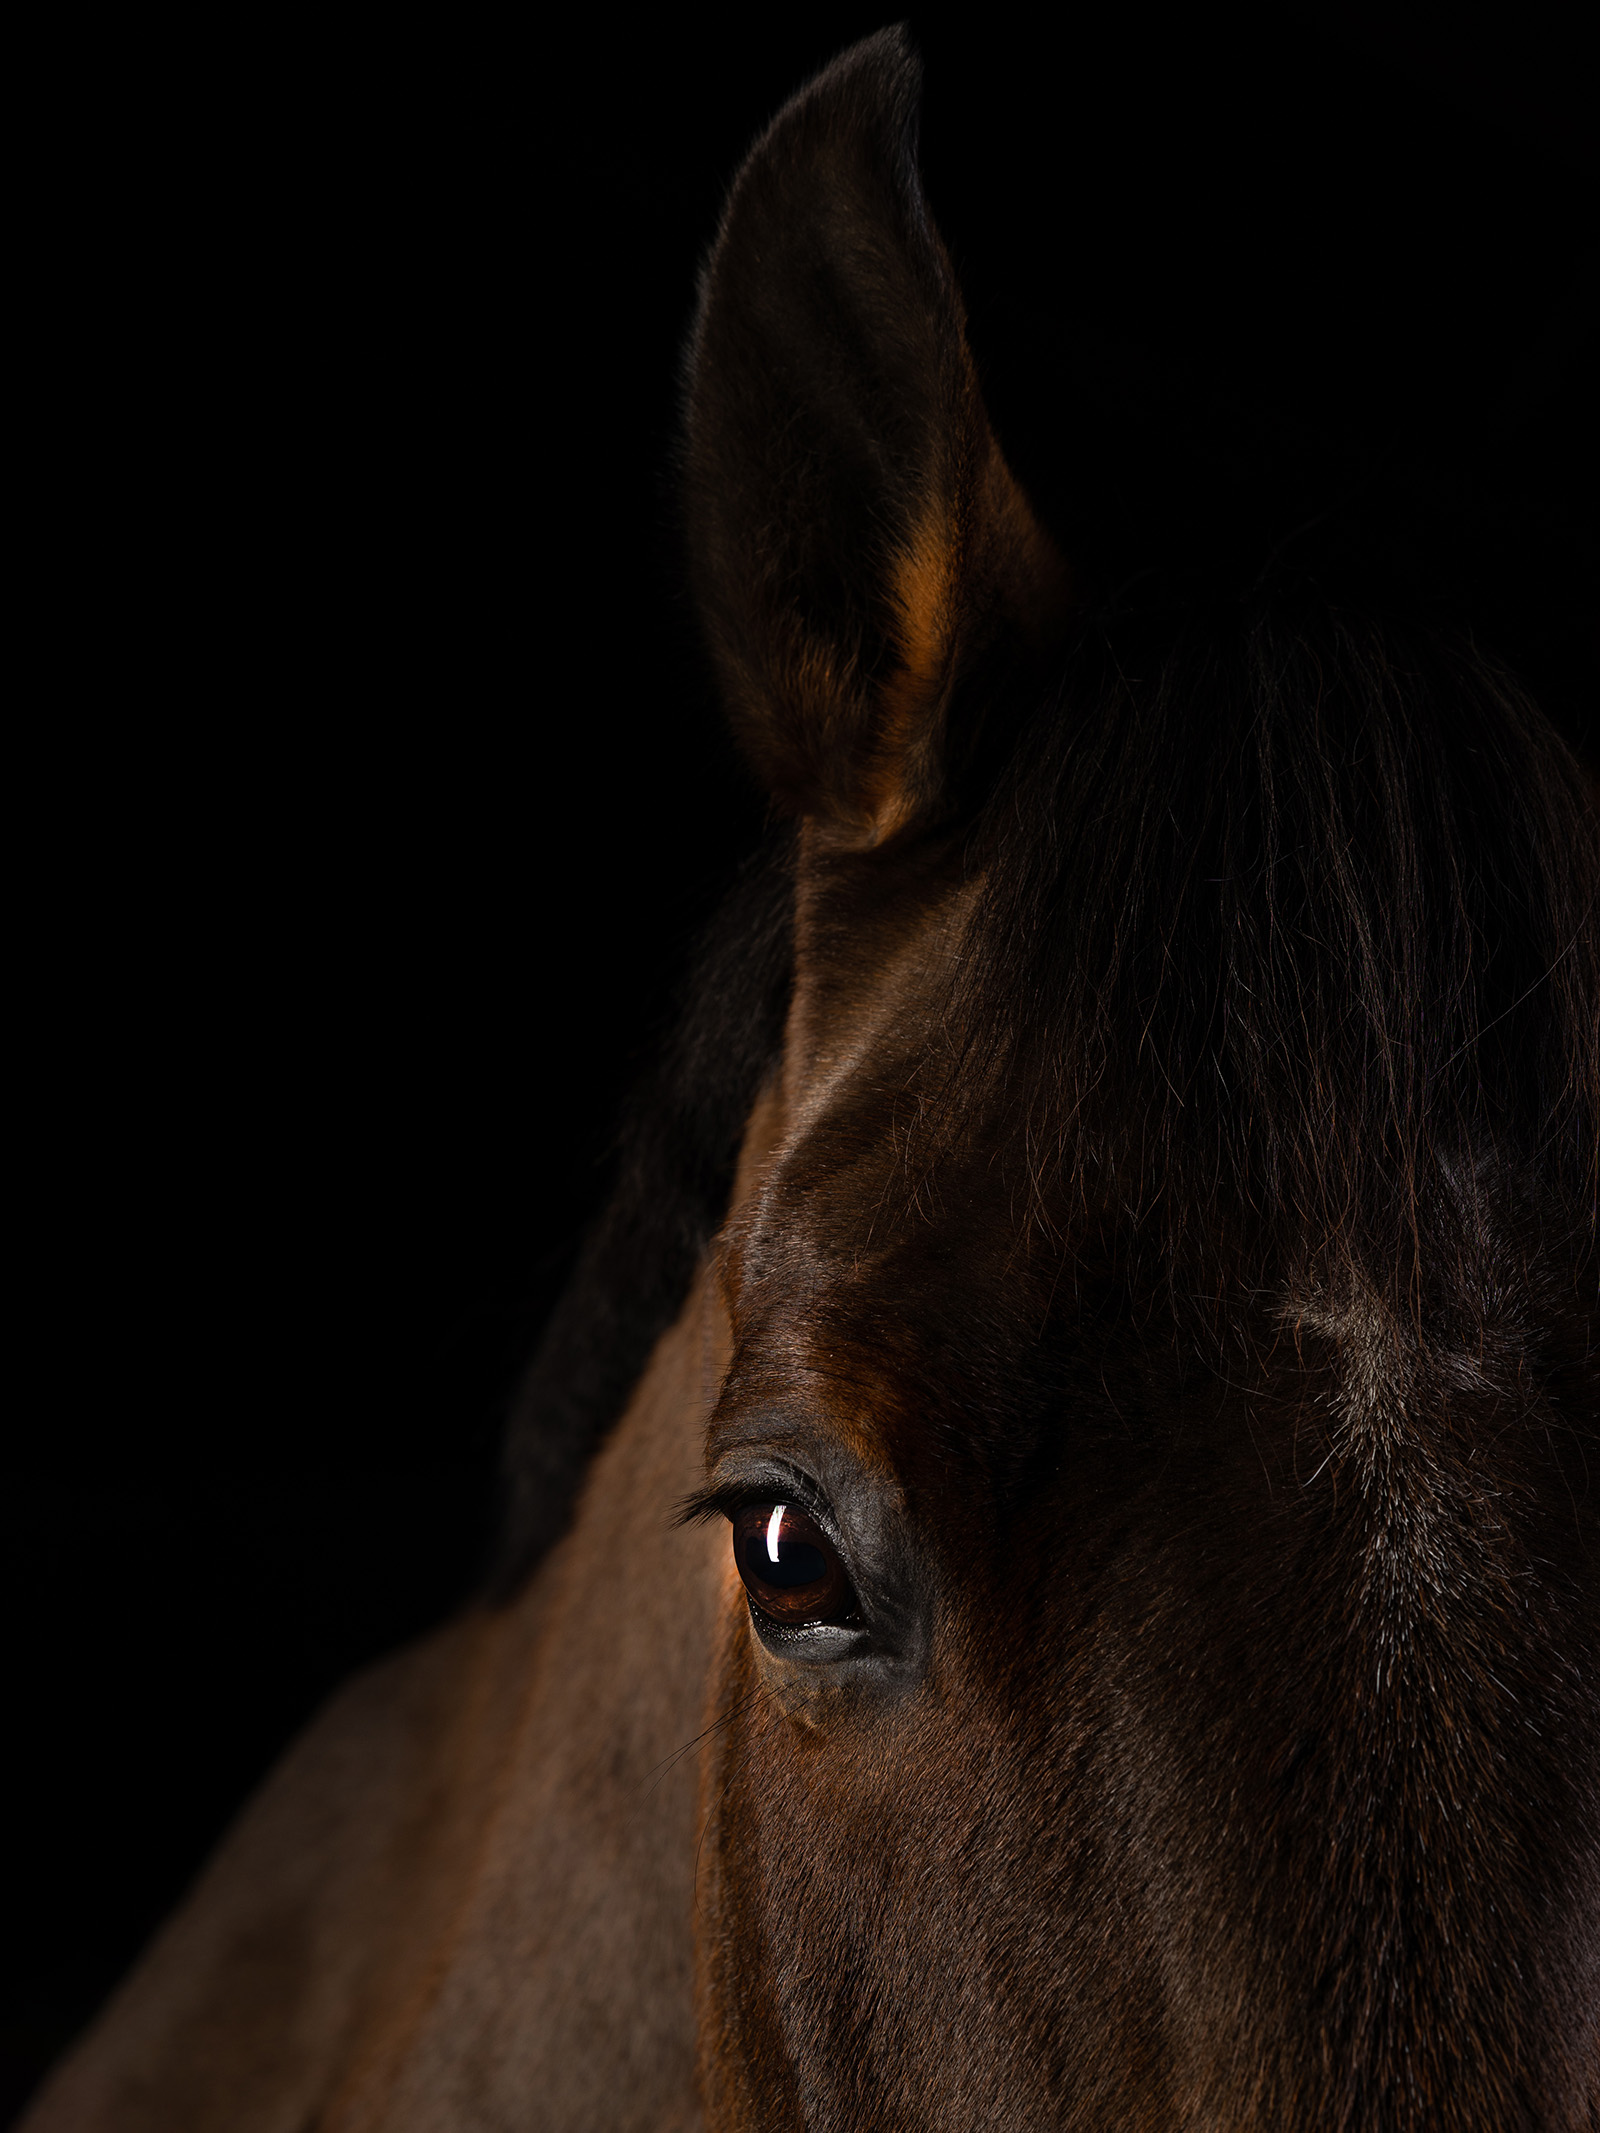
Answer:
[(465, 1898), (564, 1978)]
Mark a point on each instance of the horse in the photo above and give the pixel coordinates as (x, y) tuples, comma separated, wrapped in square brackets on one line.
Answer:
[(1050, 1573)]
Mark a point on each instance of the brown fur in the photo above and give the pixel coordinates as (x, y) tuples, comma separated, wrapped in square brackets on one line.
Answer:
[(469, 1885), (1119, 1848), (1164, 1262)]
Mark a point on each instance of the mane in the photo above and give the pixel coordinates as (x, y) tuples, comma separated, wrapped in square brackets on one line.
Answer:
[(672, 1171), (1288, 927)]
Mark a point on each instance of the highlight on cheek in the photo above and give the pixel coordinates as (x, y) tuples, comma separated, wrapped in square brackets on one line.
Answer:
[(790, 1568)]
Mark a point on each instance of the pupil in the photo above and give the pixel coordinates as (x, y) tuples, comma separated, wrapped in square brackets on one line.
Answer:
[(798, 1562)]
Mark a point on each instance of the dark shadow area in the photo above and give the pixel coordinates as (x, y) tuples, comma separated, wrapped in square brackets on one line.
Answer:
[(372, 788)]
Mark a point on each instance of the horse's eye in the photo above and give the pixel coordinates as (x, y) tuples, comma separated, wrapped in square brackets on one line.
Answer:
[(790, 1568)]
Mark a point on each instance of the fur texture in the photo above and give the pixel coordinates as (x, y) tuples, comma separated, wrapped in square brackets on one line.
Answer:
[(1161, 1263), (1173, 1286)]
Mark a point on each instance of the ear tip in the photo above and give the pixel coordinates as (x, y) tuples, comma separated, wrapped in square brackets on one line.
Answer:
[(887, 66), (850, 130), (874, 86)]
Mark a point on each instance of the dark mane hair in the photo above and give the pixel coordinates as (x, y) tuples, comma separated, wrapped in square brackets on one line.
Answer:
[(1288, 919), (1287, 922), (673, 1164)]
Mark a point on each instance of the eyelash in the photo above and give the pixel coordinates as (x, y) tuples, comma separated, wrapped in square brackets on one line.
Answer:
[(727, 1502)]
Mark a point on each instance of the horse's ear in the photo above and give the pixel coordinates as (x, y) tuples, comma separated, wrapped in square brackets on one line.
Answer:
[(858, 541)]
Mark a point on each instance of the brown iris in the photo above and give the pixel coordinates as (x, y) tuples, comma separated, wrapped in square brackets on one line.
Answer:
[(790, 1568)]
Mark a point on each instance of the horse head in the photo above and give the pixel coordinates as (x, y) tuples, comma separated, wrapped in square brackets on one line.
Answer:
[(1128, 1652), (1157, 1672)]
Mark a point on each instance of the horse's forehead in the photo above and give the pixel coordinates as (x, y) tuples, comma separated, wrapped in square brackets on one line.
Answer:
[(1373, 1358), (845, 1225), (1383, 1366), (866, 1285)]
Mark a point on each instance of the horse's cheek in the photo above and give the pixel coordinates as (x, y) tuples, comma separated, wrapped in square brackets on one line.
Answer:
[(798, 1694), (746, 2078)]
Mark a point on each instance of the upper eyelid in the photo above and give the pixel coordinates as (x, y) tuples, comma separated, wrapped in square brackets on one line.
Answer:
[(726, 1499), (711, 1503)]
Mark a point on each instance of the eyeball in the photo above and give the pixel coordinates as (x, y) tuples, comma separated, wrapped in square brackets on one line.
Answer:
[(790, 1568)]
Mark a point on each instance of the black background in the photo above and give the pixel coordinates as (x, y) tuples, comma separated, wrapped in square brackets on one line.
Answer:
[(370, 782)]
